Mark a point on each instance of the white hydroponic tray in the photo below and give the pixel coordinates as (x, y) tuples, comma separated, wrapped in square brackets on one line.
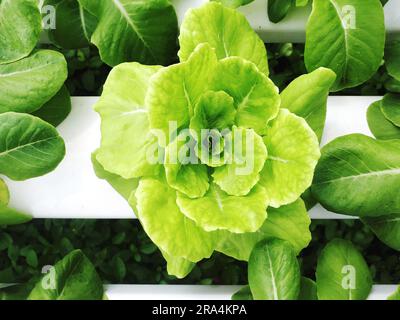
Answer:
[(74, 191)]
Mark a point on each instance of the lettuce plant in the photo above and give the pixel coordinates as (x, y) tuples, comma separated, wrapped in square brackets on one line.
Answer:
[(274, 273), (31, 82), (202, 149)]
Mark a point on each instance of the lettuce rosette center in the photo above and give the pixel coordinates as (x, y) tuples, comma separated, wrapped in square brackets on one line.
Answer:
[(203, 146)]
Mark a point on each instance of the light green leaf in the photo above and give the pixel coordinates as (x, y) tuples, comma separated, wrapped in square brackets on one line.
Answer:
[(243, 294), (175, 91), (342, 273), (167, 226), (125, 187), (4, 193), (74, 278), (248, 156), (215, 110), (307, 95), (395, 295), (346, 36), (386, 228), (234, 3), (127, 30), (352, 169), (74, 24), (21, 25), (56, 109), (293, 153), (392, 58), (29, 146), (278, 9), (27, 84), (9, 216), (379, 125), (390, 107), (126, 143), (203, 25), (177, 266), (183, 172), (274, 273), (255, 96), (308, 289), (219, 211), (290, 223)]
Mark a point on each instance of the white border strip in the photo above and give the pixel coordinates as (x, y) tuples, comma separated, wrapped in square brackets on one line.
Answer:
[(200, 292)]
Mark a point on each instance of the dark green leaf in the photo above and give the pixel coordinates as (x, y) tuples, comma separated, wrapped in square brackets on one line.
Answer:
[(360, 176), (243, 294), (342, 273), (75, 25), (379, 125), (274, 273), (278, 9), (73, 278), (29, 146), (56, 109)]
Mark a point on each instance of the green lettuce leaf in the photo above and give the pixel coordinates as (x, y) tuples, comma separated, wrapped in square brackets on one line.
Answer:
[(27, 84), (390, 107), (142, 31), (188, 178), (126, 142), (392, 54), (248, 156), (346, 36), (56, 110), (73, 278), (218, 210), (290, 223), (203, 25), (293, 153), (21, 25), (74, 25), (307, 95), (386, 228), (308, 289), (167, 226), (255, 96), (354, 167), (175, 91), (178, 267), (125, 187), (342, 273), (29, 146), (273, 272), (379, 125)]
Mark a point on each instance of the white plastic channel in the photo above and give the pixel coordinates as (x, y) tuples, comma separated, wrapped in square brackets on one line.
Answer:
[(200, 292), (74, 191), (292, 28)]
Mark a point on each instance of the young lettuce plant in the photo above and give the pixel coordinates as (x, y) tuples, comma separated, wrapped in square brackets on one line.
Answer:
[(202, 150), (31, 81), (72, 278), (274, 274)]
